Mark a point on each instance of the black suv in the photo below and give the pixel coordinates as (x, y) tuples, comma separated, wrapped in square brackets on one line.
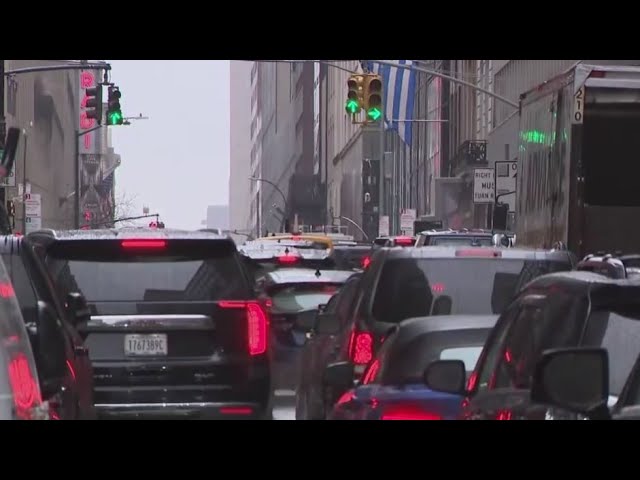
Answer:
[(64, 369), (404, 283), (175, 328)]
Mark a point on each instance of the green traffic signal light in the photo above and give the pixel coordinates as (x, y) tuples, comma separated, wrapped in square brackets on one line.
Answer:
[(352, 106), (374, 114), (115, 118)]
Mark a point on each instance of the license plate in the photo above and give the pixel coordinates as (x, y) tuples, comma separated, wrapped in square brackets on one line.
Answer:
[(145, 345)]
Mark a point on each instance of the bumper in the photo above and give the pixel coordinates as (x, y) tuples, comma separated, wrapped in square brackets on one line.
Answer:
[(186, 410)]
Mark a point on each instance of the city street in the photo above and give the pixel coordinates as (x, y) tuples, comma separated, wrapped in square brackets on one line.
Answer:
[(284, 405)]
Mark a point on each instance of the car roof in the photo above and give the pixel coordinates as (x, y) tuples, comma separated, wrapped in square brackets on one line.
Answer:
[(454, 233), (308, 275), (445, 251), (126, 233), (440, 323), (599, 288)]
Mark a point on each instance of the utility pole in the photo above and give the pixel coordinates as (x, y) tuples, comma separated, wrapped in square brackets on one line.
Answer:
[(3, 134), (77, 167)]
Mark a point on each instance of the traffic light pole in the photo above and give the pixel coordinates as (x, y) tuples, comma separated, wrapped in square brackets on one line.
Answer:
[(381, 178), (285, 219), (76, 165)]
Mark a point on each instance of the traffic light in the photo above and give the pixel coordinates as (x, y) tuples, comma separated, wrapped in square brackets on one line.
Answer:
[(93, 103), (156, 224), (114, 111), (373, 97), (354, 96)]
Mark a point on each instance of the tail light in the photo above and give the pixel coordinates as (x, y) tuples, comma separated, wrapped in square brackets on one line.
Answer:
[(346, 397), (144, 244), (257, 324), (25, 388), (479, 252), (504, 415), (405, 241), (371, 372), (406, 411), (360, 347), (288, 259), (236, 410), (366, 261)]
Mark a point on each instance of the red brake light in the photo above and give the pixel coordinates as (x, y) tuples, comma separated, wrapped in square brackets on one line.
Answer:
[(479, 252), (288, 259), (257, 324), (504, 415), (437, 288), (471, 383), (361, 347), (236, 410), (405, 241), (144, 244), (6, 290), (407, 412), (346, 397), (366, 261), (24, 386), (371, 372)]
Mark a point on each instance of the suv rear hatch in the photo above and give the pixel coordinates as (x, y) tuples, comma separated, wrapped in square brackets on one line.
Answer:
[(164, 312)]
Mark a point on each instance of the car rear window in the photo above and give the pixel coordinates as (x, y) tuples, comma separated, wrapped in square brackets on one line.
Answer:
[(158, 271), (300, 298), (407, 362), (460, 241), (348, 258), (416, 287)]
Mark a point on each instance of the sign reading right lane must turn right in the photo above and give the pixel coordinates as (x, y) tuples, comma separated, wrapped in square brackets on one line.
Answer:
[(483, 185)]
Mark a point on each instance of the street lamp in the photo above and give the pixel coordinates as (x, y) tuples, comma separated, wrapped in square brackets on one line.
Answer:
[(284, 198)]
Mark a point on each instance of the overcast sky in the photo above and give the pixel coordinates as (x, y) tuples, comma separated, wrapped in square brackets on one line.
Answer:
[(177, 161)]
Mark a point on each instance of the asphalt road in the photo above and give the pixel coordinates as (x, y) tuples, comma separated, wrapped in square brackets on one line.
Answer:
[(284, 407)]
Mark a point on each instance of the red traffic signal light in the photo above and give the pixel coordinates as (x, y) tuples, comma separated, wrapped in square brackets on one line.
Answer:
[(93, 103)]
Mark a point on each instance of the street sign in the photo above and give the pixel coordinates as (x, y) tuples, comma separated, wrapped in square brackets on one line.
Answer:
[(483, 185), (33, 212), (383, 226), (407, 217), (506, 174)]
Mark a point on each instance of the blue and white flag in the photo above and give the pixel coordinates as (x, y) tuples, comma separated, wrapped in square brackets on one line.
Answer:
[(399, 86)]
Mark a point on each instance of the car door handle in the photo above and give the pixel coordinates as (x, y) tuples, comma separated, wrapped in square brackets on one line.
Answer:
[(81, 350)]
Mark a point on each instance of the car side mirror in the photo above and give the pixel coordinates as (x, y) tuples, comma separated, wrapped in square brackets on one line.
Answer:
[(322, 308), (447, 376), (78, 307), (340, 375), (327, 324), (573, 379)]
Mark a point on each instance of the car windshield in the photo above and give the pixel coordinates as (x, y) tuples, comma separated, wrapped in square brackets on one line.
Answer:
[(415, 287)]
